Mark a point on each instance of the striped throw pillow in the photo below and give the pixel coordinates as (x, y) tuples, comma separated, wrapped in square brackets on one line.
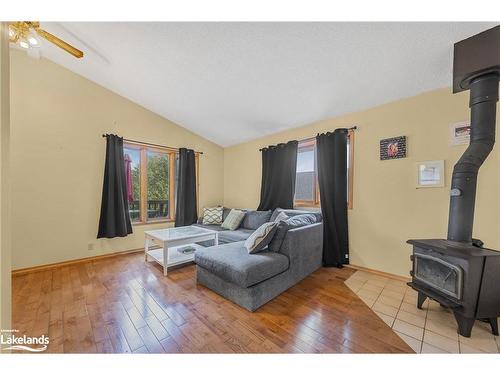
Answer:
[(259, 239), (281, 217), (233, 220), (212, 215)]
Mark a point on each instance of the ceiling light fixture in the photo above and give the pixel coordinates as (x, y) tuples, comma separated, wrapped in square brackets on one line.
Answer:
[(24, 44), (25, 33), (32, 41)]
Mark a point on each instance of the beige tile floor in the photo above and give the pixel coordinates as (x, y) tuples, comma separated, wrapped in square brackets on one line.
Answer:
[(430, 330)]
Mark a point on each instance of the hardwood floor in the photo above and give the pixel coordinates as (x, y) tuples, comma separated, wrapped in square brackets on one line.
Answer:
[(123, 305)]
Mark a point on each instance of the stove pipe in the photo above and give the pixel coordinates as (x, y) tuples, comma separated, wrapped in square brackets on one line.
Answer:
[(476, 67), (483, 102)]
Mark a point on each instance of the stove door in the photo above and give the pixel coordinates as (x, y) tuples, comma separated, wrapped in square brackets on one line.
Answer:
[(444, 277)]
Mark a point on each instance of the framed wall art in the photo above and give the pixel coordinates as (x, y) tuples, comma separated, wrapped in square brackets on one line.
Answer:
[(430, 174), (393, 148), (460, 133)]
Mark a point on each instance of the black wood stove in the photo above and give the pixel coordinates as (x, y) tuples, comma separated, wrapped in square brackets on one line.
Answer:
[(459, 272)]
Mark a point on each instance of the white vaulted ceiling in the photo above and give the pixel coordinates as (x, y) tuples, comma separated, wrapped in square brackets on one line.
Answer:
[(232, 82)]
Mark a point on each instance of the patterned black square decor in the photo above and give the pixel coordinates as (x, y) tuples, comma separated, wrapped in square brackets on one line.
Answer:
[(393, 148)]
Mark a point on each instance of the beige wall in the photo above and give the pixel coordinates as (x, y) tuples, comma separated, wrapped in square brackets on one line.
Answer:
[(5, 249), (58, 160), (57, 167), (388, 209)]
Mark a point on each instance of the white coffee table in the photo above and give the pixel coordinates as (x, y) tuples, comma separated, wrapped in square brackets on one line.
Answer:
[(174, 242)]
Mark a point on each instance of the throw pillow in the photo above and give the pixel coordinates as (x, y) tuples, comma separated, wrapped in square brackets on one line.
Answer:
[(291, 223), (233, 219), (259, 239), (276, 212), (293, 212), (302, 220), (254, 219), (281, 217), (212, 215), (225, 212)]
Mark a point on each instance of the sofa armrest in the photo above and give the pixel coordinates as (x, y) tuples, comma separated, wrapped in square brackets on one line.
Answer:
[(304, 245)]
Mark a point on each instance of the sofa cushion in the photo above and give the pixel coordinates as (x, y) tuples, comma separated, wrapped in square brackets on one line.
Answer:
[(254, 219), (259, 239), (232, 263), (240, 234), (292, 212), (212, 215), (233, 219), (291, 223), (216, 227), (227, 236)]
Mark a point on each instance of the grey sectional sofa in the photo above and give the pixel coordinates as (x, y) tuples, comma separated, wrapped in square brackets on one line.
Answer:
[(251, 280)]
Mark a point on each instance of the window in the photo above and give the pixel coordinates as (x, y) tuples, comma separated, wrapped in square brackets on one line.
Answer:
[(158, 170), (154, 175), (134, 207), (306, 183)]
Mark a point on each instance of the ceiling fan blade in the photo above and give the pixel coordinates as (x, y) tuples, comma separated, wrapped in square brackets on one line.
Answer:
[(60, 43)]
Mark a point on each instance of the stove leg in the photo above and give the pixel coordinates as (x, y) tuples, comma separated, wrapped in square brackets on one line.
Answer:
[(421, 299), (494, 325), (464, 324)]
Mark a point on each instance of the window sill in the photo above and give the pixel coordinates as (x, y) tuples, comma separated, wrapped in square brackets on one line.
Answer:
[(306, 204), (311, 205), (139, 223)]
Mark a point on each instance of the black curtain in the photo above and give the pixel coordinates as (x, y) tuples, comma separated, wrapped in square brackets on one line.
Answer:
[(115, 219), (332, 177), (185, 209), (279, 166)]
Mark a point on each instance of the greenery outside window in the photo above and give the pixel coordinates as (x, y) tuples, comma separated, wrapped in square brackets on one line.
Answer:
[(154, 176)]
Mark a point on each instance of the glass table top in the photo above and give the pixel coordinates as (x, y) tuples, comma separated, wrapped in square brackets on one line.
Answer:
[(169, 234)]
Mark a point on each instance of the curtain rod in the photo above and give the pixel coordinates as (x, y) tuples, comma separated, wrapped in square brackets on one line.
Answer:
[(152, 144), (311, 138)]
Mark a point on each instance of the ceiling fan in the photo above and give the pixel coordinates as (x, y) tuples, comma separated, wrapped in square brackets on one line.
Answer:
[(24, 33)]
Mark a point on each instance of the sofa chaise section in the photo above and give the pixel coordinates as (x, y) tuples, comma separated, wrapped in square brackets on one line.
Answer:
[(251, 280), (232, 262)]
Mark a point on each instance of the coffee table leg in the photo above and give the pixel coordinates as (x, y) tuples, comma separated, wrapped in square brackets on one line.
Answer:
[(216, 239), (146, 248), (165, 258)]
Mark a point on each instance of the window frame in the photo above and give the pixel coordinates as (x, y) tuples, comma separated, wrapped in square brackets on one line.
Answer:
[(143, 178), (316, 202)]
